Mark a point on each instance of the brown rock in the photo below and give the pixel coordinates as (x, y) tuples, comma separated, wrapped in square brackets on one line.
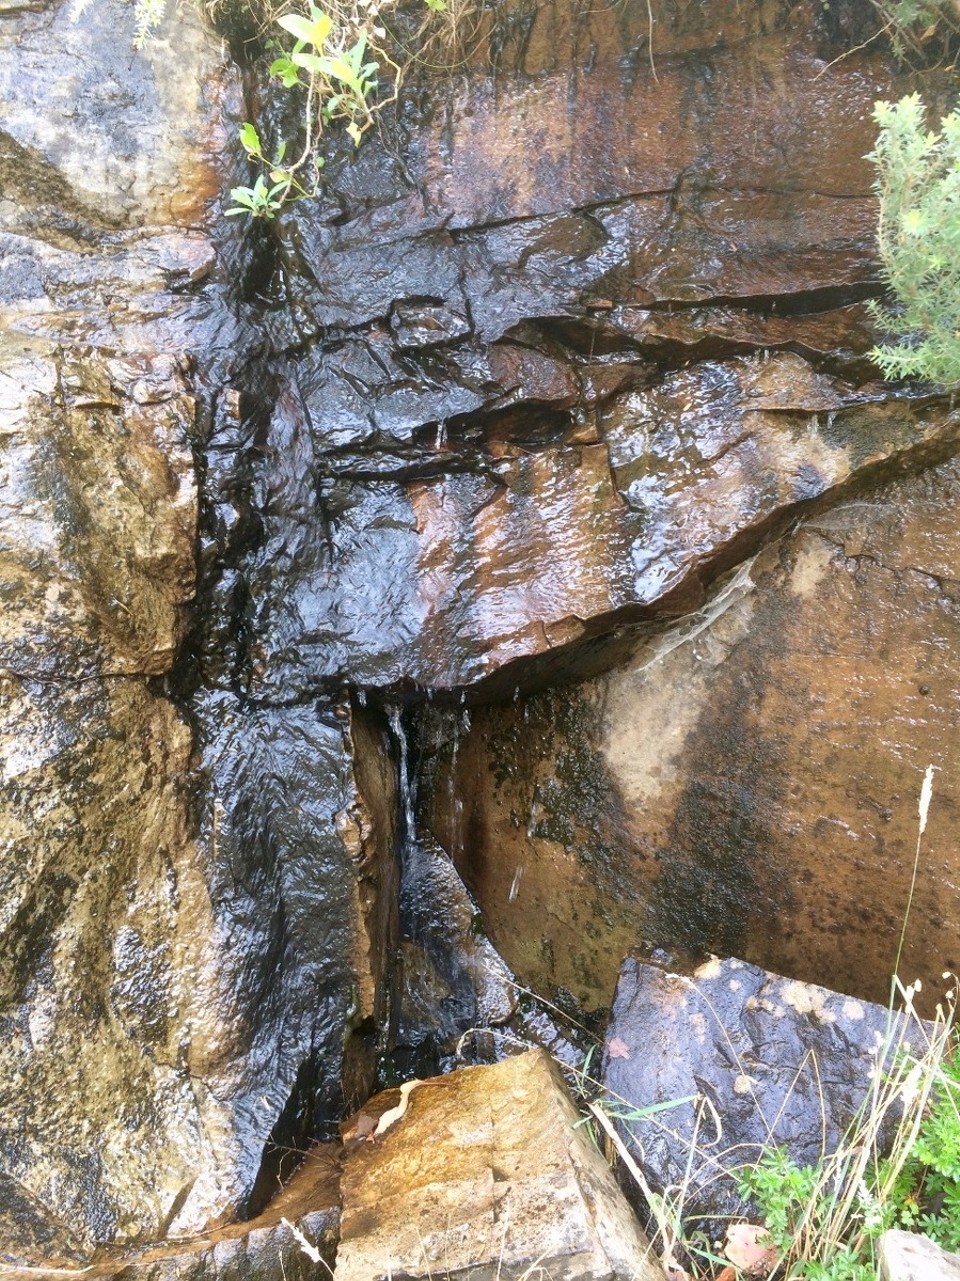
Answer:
[(748, 782), (484, 1176), (100, 529), (166, 993), (194, 916)]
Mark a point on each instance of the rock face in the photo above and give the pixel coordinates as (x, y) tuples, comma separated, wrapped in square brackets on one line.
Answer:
[(523, 404), (583, 334), (747, 782), (747, 1055), (484, 1176), (194, 937)]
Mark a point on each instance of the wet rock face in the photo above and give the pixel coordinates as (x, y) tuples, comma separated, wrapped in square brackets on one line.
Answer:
[(747, 782), (491, 405), (195, 904), (488, 441)]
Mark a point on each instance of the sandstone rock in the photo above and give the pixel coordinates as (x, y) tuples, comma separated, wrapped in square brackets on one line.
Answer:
[(176, 1008), (100, 513), (777, 1061), (261, 1247), (196, 907), (747, 782), (910, 1256), (484, 1176)]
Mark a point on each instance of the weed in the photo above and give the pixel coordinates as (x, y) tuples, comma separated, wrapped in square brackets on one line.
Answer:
[(913, 25), (918, 236), (926, 1193)]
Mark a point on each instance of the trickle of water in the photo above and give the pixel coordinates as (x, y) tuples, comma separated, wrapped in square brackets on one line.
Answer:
[(441, 434), (362, 697), (515, 884), (406, 794), (456, 805)]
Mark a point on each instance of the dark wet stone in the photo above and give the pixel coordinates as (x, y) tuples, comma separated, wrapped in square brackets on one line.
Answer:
[(777, 1062), (263, 1249), (452, 977), (203, 1001)]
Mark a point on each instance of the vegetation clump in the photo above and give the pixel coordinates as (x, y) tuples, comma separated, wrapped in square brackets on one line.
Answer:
[(918, 185)]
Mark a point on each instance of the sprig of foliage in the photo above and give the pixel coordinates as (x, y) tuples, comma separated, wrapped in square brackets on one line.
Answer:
[(336, 63), (918, 184), (912, 24)]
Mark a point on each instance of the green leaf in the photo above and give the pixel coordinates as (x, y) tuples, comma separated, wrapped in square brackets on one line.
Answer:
[(284, 69), (250, 140), (310, 62), (311, 31)]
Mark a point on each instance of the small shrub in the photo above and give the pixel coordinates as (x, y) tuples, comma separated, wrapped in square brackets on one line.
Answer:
[(918, 236), (913, 25)]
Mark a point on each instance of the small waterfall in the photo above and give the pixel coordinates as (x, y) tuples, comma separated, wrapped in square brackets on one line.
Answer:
[(399, 731)]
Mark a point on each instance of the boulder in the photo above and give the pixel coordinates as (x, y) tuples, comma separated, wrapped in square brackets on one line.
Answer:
[(483, 1174), (748, 1060), (746, 782), (910, 1256)]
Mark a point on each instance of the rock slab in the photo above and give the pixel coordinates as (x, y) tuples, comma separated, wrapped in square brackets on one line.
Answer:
[(484, 1177), (751, 1059), (745, 781)]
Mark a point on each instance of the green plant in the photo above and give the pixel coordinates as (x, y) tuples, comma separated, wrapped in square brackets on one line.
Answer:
[(918, 185), (336, 63), (823, 1220), (329, 62), (927, 1189), (913, 24)]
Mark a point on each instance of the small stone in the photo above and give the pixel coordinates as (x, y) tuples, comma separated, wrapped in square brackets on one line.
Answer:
[(780, 1061), (909, 1256)]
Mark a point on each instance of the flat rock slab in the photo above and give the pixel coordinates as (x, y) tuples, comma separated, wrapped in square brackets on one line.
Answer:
[(483, 1176), (772, 1059), (908, 1256)]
